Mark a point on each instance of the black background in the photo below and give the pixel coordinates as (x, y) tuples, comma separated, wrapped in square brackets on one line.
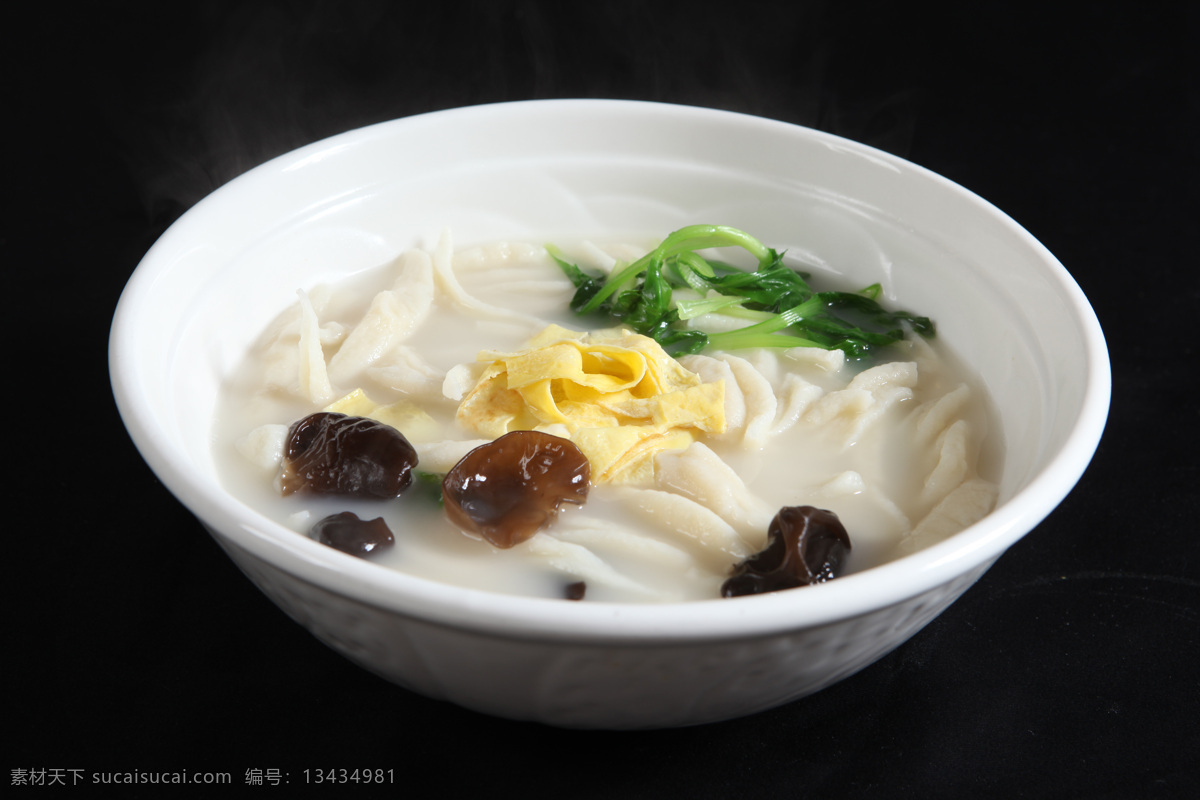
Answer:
[(1069, 670)]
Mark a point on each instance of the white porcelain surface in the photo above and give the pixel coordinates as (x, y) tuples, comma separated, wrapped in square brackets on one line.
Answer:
[(566, 169)]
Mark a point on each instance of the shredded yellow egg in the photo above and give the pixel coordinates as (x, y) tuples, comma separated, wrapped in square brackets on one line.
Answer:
[(616, 394)]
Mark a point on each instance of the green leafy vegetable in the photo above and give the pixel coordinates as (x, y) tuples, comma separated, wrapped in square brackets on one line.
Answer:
[(780, 308), (429, 485)]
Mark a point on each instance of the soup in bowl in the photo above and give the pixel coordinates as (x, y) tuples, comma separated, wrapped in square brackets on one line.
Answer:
[(602, 180)]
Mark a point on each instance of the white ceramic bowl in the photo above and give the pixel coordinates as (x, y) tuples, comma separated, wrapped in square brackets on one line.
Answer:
[(573, 169)]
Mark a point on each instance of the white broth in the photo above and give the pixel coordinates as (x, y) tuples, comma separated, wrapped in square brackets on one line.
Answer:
[(898, 451)]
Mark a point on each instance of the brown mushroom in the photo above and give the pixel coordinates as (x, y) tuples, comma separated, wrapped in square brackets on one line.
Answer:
[(328, 453), (507, 490), (348, 533), (805, 545)]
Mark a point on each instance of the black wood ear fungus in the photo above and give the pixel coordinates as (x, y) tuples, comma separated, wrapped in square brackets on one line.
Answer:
[(328, 453), (358, 537), (805, 545), (507, 490)]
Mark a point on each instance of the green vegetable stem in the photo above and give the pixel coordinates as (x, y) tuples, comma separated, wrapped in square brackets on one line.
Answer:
[(776, 301)]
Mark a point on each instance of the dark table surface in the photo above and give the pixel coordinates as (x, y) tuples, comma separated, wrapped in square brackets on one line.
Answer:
[(134, 645)]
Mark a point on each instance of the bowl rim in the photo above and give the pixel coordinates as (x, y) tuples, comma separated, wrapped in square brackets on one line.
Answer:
[(510, 616)]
